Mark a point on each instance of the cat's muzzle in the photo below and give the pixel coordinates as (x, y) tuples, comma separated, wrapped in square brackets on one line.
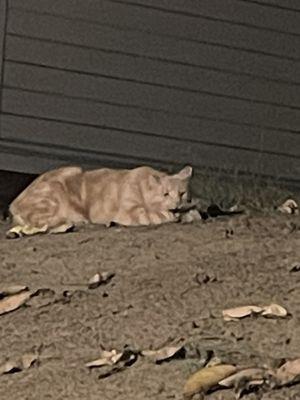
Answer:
[(185, 206)]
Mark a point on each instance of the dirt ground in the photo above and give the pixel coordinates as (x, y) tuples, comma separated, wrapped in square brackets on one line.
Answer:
[(170, 282)]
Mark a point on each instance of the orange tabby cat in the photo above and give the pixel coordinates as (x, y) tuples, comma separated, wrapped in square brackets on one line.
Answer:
[(62, 198)]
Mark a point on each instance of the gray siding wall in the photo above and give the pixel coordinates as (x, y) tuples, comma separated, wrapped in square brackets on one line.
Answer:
[(118, 82), (3, 18)]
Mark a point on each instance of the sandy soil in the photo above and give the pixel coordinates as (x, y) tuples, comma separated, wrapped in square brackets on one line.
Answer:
[(170, 282)]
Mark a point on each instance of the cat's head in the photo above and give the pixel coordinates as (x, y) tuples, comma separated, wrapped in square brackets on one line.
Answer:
[(172, 191)]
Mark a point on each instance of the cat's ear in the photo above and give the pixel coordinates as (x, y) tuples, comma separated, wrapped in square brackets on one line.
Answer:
[(185, 173), (154, 180)]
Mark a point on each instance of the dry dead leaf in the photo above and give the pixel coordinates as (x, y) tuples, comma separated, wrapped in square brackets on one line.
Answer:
[(18, 364), (233, 314), (246, 375), (114, 362), (207, 378), (28, 360), (164, 353), (13, 302), (245, 380), (99, 278), (127, 359), (106, 358), (94, 282), (289, 207), (9, 367), (274, 310), (288, 373), (295, 267), (10, 290)]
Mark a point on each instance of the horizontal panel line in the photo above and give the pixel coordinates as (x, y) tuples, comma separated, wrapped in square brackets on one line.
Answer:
[(185, 38), (162, 9), (73, 149), (150, 134), (197, 15), (154, 84), (263, 3), (3, 34), (10, 147), (153, 58), (137, 107)]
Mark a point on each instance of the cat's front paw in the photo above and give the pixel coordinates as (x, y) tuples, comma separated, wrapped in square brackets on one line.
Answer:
[(190, 216), (176, 217)]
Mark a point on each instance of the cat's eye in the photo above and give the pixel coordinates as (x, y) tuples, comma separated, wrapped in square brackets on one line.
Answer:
[(166, 194)]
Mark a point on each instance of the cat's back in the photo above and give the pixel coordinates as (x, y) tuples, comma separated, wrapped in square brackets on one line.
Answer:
[(104, 173), (59, 174), (115, 184), (121, 176), (46, 183)]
